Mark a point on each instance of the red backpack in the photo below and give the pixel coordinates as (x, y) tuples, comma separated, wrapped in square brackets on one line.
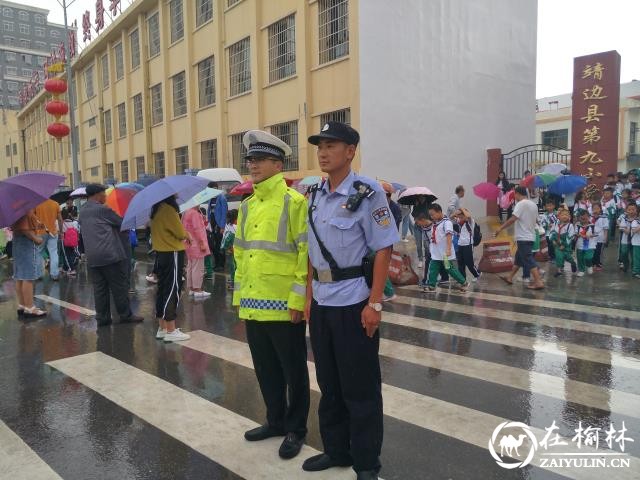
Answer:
[(70, 237)]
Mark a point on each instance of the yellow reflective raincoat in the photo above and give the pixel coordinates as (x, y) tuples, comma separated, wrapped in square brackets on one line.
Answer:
[(271, 250)]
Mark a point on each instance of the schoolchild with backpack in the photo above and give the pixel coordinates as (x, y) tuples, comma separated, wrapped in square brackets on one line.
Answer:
[(70, 242), (469, 237)]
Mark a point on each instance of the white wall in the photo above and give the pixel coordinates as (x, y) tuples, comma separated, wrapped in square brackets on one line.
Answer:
[(442, 81)]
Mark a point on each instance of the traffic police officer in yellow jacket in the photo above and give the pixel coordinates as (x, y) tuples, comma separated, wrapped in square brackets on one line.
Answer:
[(349, 217), (270, 250)]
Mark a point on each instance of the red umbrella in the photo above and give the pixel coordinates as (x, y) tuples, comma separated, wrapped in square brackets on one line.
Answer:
[(527, 182), (242, 189), (486, 191), (118, 199)]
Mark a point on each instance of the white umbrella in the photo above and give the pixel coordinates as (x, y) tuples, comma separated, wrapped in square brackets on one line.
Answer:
[(200, 198), (411, 194), (79, 192), (554, 168)]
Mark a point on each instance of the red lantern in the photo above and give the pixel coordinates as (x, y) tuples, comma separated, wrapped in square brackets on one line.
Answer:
[(56, 86), (58, 130), (57, 108)]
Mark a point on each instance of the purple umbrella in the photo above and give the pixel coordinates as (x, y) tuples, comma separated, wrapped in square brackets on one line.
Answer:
[(139, 211), (22, 192)]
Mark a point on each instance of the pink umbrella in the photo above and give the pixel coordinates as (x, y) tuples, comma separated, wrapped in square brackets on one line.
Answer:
[(486, 191), (410, 195)]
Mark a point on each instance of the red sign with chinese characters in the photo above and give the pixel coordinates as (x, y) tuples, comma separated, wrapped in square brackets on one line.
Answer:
[(595, 116)]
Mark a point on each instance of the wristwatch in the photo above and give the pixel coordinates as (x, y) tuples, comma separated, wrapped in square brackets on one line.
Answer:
[(376, 306)]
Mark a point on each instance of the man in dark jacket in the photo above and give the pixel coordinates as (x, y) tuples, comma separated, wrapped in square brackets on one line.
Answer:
[(106, 256)]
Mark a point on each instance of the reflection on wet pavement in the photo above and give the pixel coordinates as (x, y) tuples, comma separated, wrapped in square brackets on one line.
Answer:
[(77, 402)]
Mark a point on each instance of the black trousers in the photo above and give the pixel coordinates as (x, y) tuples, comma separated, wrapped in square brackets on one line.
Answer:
[(597, 256), (279, 353), (465, 259), (170, 268), (348, 373), (551, 249), (111, 280), (215, 241)]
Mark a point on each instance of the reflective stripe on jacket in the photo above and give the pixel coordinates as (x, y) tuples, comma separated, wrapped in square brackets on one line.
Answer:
[(271, 251)]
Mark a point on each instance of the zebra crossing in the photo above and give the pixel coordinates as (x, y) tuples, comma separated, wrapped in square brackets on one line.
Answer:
[(455, 367)]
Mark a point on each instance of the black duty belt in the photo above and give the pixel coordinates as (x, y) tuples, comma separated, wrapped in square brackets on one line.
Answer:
[(337, 275)]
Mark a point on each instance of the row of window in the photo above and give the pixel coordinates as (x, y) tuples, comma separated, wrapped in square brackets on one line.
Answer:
[(11, 57), (26, 30), (13, 71), (334, 43), (26, 43), (208, 155), (22, 15), (287, 132)]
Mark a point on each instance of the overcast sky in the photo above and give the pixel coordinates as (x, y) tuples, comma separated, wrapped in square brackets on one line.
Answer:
[(566, 29)]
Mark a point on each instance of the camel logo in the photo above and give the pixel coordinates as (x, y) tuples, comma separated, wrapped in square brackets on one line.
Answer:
[(510, 444)]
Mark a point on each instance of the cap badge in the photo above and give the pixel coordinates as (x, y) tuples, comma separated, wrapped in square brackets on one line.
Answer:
[(326, 127)]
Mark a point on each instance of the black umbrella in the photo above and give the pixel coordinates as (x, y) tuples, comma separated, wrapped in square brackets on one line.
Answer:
[(61, 196)]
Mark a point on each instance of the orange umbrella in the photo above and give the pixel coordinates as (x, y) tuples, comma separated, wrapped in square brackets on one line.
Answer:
[(118, 199)]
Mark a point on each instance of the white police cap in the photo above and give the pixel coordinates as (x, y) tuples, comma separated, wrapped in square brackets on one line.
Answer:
[(263, 144)]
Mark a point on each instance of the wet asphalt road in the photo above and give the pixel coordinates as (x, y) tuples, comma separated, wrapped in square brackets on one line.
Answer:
[(454, 367)]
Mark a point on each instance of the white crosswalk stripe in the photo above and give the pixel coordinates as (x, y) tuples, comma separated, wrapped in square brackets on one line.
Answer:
[(18, 461), (535, 302), (510, 316), (420, 410), (565, 349), (206, 427), (216, 432)]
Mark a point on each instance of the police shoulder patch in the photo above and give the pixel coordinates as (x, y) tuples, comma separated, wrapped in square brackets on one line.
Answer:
[(382, 216)]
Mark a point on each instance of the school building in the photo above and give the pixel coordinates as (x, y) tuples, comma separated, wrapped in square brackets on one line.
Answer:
[(173, 85)]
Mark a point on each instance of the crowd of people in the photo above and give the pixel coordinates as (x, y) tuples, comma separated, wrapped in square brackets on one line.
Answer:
[(322, 259)]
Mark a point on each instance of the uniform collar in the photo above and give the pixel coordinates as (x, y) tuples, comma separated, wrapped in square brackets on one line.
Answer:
[(268, 186), (344, 188)]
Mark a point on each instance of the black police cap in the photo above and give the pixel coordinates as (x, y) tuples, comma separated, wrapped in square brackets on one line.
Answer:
[(336, 131), (94, 188)]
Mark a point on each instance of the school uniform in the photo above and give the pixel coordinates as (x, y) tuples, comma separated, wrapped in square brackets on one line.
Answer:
[(439, 260), (628, 254), (464, 254), (586, 246), (610, 209), (624, 240), (562, 237), (547, 221), (635, 249), (602, 226)]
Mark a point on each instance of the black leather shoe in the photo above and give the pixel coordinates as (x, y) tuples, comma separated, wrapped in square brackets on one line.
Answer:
[(262, 433), (368, 475), (132, 319), (317, 463), (291, 446)]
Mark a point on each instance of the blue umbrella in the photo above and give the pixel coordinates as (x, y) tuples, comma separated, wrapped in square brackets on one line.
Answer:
[(398, 187), (567, 184), (184, 186), (201, 197), (20, 193), (131, 186)]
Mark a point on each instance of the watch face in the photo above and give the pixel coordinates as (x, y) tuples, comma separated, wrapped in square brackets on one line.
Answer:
[(376, 306)]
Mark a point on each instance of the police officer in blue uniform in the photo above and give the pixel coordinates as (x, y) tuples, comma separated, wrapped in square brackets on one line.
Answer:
[(351, 235)]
